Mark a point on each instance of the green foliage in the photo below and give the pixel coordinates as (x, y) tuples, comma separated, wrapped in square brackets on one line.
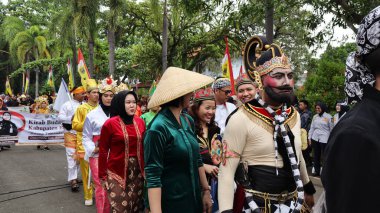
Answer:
[(41, 64), (326, 76), (46, 89), (37, 33)]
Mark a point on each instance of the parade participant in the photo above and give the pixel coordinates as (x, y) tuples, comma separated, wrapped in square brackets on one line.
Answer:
[(42, 108), (351, 173), (66, 114), (222, 90), (121, 163), (23, 100), (203, 112), (173, 166), (341, 109), (3, 107), (91, 134), (148, 116), (13, 102), (265, 135), (246, 89), (319, 132), (92, 93)]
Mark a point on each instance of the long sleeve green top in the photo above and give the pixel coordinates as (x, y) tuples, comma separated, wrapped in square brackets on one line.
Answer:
[(172, 159)]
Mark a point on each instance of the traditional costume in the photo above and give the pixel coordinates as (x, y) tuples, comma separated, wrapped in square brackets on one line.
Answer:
[(269, 166), (91, 134), (66, 115), (121, 162), (77, 124), (40, 109), (351, 172), (211, 145), (171, 150)]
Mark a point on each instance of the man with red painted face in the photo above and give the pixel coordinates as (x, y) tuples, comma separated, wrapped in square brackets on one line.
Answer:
[(265, 135)]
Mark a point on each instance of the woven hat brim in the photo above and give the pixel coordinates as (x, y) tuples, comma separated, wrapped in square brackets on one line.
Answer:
[(177, 82)]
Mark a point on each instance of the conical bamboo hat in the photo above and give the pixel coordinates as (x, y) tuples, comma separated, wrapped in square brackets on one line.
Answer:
[(177, 82)]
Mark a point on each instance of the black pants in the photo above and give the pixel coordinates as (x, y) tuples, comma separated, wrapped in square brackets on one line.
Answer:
[(306, 156), (318, 150)]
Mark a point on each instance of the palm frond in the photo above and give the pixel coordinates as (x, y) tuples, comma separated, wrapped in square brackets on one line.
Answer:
[(11, 26), (40, 43)]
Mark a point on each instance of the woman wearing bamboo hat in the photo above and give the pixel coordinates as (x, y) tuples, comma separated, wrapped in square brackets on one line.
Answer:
[(175, 175)]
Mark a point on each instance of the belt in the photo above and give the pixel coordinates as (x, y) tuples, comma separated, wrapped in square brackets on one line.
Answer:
[(282, 197)]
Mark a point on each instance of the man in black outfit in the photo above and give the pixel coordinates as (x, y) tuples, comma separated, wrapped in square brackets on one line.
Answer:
[(351, 174)]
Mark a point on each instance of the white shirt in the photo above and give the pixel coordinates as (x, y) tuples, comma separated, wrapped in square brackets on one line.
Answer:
[(92, 127), (67, 112), (321, 127), (221, 114)]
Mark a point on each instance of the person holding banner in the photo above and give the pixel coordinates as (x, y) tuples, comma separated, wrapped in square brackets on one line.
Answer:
[(42, 108), (77, 124), (3, 107), (66, 114), (121, 159), (91, 134)]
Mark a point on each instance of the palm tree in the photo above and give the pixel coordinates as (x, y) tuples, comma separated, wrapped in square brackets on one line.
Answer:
[(29, 45), (85, 20), (116, 8), (63, 27)]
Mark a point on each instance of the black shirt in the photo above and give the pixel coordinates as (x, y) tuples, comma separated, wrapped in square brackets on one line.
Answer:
[(351, 173)]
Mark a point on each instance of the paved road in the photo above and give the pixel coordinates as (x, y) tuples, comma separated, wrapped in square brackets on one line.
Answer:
[(25, 167), (38, 180)]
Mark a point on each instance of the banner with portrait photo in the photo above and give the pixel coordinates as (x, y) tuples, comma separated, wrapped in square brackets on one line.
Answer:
[(31, 128)]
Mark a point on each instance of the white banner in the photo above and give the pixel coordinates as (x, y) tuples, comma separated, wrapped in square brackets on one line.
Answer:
[(20, 109), (31, 128)]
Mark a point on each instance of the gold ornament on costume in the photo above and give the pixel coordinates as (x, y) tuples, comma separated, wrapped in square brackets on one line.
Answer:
[(254, 49), (121, 87), (107, 84)]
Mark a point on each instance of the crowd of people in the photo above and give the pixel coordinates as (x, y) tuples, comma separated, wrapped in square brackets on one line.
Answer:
[(198, 149)]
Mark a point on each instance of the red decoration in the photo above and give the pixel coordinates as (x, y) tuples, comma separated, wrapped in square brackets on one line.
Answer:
[(109, 81)]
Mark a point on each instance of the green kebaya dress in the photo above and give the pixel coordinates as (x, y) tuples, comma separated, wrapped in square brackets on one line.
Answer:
[(172, 159)]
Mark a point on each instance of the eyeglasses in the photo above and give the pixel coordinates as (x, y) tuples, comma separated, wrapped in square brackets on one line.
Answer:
[(226, 91)]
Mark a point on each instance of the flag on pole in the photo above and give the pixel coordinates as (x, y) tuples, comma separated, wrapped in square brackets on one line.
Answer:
[(227, 67), (50, 78), (26, 89), (8, 89), (62, 97), (71, 76), (82, 69)]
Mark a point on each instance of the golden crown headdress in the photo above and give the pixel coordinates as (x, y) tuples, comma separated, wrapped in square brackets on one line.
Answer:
[(107, 84)]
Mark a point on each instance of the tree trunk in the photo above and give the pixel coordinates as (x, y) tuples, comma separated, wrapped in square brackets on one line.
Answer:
[(111, 47), (269, 10), (91, 56), (165, 39), (37, 83)]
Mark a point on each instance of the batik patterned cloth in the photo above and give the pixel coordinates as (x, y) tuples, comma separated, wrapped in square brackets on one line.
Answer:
[(130, 199), (368, 40)]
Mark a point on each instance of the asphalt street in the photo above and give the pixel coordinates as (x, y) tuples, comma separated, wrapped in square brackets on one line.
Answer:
[(34, 181)]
